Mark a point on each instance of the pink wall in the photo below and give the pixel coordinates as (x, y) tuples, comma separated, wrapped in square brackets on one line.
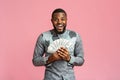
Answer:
[(98, 22)]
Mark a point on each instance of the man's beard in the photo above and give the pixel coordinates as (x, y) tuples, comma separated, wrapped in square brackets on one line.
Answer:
[(61, 31)]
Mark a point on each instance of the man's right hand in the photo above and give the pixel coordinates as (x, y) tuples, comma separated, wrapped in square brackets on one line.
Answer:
[(53, 57)]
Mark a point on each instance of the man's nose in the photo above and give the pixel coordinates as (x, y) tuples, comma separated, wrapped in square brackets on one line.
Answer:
[(59, 21)]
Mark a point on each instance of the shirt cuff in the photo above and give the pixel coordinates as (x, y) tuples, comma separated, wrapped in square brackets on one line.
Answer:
[(72, 60), (45, 60)]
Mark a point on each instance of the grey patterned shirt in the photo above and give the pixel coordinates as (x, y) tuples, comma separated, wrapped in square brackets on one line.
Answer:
[(58, 70)]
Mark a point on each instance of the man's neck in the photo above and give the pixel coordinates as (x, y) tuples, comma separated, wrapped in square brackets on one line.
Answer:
[(59, 33)]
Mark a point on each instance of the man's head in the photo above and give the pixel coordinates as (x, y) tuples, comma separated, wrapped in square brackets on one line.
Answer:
[(59, 20)]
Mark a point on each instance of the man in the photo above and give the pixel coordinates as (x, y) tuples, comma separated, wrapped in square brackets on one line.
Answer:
[(59, 65)]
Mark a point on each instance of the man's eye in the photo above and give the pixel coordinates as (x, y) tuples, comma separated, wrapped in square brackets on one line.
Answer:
[(55, 19), (62, 19)]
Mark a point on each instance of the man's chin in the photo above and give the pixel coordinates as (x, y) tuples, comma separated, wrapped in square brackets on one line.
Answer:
[(60, 31)]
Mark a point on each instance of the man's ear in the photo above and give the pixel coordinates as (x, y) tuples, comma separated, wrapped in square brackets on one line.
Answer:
[(51, 19), (66, 18)]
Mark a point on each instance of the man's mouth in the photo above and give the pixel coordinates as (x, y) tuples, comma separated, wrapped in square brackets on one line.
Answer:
[(60, 26)]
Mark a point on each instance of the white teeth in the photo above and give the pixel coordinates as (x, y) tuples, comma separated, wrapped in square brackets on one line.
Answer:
[(59, 25)]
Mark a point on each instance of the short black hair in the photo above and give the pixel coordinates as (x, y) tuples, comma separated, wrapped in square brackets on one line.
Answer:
[(58, 10)]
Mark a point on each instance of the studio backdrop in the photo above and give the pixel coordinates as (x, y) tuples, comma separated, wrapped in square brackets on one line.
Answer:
[(97, 21)]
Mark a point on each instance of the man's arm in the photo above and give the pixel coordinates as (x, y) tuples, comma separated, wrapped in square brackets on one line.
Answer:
[(78, 58), (38, 59)]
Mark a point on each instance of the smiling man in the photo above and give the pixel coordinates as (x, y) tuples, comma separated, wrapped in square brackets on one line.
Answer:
[(59, 21), (59, 64)]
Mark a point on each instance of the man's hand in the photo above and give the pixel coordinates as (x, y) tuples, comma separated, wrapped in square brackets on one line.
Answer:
[(63, 53), (53, 57), (60, 54)]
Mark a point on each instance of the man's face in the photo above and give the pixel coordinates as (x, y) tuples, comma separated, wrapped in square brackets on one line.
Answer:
[(59, 21)]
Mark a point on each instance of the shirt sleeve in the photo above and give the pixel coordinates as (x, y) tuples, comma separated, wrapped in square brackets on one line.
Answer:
[(78, 58), (38, 58)]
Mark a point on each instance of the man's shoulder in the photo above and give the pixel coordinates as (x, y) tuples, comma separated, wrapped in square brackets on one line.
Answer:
[(73, 33), (46, 32)]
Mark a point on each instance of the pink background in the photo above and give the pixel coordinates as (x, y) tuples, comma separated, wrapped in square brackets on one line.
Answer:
[(97, 21)]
